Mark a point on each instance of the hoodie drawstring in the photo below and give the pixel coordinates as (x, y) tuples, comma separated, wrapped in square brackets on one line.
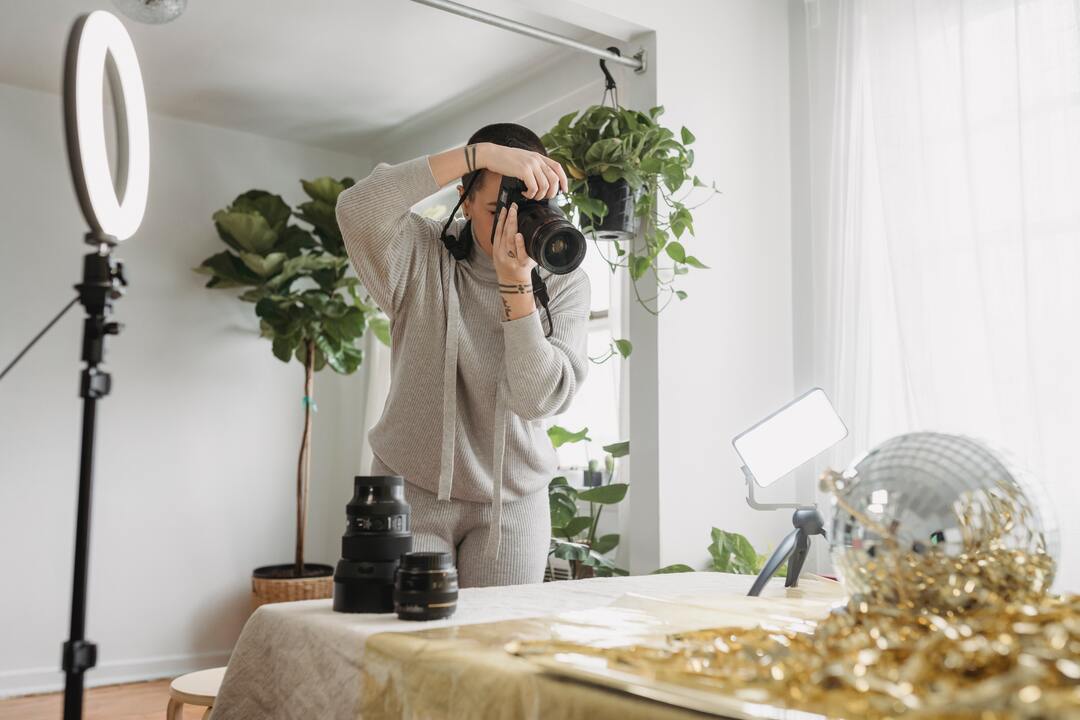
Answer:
[(449, 419)]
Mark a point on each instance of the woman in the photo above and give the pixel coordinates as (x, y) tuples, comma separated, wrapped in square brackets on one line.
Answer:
[(473, 370)]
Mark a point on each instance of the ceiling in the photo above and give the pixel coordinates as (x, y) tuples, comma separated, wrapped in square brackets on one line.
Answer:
[(335, 74)]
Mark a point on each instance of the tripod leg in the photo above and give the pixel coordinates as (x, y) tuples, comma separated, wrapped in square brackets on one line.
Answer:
[(802, 549), (778, 557)]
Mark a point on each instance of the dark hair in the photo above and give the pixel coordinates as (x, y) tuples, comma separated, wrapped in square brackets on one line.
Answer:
[(507, 134)]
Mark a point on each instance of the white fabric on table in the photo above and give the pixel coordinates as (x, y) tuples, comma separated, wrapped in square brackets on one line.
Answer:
[(302, 660)]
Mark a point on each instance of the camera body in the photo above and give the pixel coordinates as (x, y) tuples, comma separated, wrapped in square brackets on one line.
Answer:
[(550, 239)]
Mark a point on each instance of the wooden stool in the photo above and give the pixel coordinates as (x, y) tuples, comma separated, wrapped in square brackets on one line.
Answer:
[(197, 688)]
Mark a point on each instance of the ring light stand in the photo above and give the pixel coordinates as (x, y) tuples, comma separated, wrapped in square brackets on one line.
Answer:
[(98, 43)]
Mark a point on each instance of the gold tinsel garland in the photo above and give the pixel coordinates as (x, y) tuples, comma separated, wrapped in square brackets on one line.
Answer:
[(971, 635)]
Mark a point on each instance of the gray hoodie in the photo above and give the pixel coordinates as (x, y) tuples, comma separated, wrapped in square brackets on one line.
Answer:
[(468, 390)]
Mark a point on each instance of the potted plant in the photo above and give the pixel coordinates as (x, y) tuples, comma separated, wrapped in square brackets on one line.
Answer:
[(624, 170), (310, 311), (574, 534)]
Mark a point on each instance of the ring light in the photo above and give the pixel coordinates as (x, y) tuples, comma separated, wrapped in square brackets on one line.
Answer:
[(99, 41)]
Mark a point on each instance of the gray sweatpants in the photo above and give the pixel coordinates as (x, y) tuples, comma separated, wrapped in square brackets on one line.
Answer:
[(460, 528)]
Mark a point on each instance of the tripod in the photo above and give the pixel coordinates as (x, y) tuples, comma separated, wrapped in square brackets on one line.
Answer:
[(102, 283), (795, 545)]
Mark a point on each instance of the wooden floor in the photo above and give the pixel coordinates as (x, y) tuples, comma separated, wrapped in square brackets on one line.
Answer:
[(136, 701)]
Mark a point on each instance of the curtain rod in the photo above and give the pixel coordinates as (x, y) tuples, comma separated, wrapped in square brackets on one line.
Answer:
[(637, 62)]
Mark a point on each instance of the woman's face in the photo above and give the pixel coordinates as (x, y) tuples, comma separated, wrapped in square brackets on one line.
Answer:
[(480, 207)]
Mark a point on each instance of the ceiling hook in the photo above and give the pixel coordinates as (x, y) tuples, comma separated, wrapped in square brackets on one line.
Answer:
[(610, 81)]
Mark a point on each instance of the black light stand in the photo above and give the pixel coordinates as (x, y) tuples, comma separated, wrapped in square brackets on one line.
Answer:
[(795, 546), (103, 282)]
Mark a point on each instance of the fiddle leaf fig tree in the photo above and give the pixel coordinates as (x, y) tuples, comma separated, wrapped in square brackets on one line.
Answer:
[(308, 307), (615, 144)]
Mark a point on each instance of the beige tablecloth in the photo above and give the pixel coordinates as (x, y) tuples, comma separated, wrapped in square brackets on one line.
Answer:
[(302, 660)]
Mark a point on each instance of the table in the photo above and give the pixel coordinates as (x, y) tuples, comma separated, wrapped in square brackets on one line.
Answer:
[(302, 660)]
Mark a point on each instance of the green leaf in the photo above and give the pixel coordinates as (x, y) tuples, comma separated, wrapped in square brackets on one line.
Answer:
[(619, 449), (570, 550), (624, 347), (333, 354), (381, 327), (325, 189), (694, 262), (560, 435), (606, 543), (596, 560), (593, 208), (732, 553), (272, 207), (687, 136), (323, 217), (605, 494), (347, 327), (283, 348), (681, 294), (676, 251), (263, 266), (576, 525), (676, 568), (249, 229), (227, 270), (638, 265), (294, 240)]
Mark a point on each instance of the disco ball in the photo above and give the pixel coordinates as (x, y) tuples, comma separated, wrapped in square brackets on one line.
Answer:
[(928, 520), (153, 12)]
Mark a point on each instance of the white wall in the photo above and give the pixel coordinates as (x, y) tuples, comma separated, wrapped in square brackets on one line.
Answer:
[(725, 354), (197, 444)]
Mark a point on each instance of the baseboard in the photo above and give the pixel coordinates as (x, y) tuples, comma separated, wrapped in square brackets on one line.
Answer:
[(33, 681)]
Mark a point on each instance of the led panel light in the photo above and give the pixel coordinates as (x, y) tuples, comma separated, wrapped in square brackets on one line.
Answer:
[(794, 434)]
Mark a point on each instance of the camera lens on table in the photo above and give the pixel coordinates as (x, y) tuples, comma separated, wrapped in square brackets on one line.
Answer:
[(376, 537), (426, 586)]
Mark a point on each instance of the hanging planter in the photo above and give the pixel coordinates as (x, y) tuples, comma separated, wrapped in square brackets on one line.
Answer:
[(619, 222), (625, 171)]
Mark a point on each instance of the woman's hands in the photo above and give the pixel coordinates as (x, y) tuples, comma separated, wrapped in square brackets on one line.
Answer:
[(512, 264), (543, 177)]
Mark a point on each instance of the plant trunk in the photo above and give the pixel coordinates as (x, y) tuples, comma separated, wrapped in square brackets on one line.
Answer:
[(303, 470)]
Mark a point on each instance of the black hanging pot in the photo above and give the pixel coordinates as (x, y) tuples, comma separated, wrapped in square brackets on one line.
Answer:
[(620, 223)]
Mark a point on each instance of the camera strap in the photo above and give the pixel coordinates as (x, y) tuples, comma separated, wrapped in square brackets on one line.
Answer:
[(540, 292), (460, 246)]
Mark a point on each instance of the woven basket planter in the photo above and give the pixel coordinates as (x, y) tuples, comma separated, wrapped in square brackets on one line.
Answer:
[(272, 584)]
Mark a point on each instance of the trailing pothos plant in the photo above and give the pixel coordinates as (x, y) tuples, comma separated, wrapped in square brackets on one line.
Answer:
[(308, 307), (574, 534), (616, 143)]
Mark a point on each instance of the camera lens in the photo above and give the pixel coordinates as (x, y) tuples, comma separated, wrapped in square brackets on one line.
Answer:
[(426, 586), (376, 536), (550, 239)]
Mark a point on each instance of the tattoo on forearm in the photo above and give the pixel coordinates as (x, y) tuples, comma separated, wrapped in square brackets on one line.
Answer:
[(515, 288), (468, 162), (473, 149), (506, 308)]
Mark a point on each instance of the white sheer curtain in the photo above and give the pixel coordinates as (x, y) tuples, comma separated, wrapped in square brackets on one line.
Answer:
[(946, 236)]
